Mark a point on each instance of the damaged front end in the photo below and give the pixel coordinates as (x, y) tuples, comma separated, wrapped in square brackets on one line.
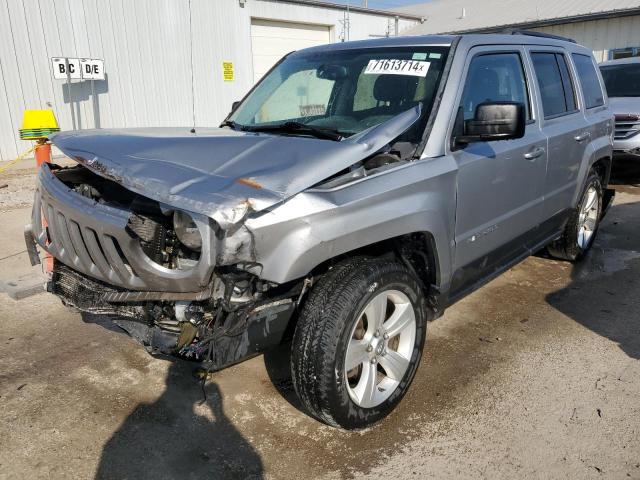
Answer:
[(118, 253), (155, 230), (218, 333)]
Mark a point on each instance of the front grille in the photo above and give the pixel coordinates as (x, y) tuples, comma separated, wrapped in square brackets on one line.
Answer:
[(100, 241), (82, 246), (626, 126)]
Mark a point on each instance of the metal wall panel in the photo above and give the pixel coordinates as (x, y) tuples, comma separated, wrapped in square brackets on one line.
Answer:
[(601, 35), (163, 58)]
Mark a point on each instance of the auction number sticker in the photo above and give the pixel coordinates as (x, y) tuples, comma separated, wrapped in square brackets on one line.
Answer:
[(415, 68)]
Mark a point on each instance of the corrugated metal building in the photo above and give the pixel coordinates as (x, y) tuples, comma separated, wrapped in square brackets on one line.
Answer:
[(163, 58), (610, 27)]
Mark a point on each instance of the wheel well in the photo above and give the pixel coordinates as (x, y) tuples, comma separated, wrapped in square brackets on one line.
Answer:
[(416, 250), (602, 167)]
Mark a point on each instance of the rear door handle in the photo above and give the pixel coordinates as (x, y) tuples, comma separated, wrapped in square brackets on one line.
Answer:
[(582, 137), (535, 153)]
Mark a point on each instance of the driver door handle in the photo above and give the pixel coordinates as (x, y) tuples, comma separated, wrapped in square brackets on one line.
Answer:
[(582, 137), (535, 153)]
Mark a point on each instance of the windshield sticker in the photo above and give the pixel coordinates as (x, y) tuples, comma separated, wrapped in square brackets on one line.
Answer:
[(419, 56), (312, 110), (389, 66)]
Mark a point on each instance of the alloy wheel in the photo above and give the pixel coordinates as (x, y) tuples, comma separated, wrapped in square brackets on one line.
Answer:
[(380, 348)]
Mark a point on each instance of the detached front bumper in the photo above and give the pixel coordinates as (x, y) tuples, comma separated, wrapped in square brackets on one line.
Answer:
[(92, 238)]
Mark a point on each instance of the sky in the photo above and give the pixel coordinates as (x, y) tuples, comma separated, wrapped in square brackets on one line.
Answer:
[(382, 4)]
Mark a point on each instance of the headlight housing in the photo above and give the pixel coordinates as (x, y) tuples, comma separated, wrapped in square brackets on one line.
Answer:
[(186, 230)]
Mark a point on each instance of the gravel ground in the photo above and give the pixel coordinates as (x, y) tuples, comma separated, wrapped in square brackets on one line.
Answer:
[(536, 375)]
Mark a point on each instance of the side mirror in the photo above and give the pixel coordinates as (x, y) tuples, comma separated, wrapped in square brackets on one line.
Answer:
[(494, 121)]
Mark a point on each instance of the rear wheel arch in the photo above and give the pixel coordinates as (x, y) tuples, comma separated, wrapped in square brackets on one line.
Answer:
[(602, 167)]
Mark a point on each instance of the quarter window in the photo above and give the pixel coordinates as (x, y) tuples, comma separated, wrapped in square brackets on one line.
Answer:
[(554, 81), (495, 77), (591, 88)]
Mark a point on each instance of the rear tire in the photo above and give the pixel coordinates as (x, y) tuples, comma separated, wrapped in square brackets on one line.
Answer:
[(358, 342), (582, 227)]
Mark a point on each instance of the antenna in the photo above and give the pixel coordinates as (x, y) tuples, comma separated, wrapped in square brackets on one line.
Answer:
[(345, 22)]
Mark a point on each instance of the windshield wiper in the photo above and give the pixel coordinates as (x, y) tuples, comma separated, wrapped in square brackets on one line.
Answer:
[(297, 127)]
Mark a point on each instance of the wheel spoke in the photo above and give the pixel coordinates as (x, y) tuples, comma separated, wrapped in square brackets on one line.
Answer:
[(591, 200), (367, 386), (394, 364), (356, 354), (401, 318), (376, 312), (581, 238)]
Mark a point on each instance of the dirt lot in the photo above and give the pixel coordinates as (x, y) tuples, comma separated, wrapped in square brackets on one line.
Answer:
[(536, 375)]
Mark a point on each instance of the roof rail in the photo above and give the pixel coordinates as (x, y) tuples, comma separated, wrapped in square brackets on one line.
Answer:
[(532, 33)]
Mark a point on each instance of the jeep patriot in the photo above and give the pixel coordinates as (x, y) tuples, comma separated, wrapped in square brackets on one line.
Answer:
[(357, 190)]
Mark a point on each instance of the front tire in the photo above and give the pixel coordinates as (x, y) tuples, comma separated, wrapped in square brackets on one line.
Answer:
[(358, 342), (582, 227)]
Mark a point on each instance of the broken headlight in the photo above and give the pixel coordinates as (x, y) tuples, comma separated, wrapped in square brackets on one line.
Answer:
[(186, 230)]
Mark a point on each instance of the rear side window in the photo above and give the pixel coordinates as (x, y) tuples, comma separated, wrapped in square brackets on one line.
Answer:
[(554, 81), (593, 96), (494, 77)]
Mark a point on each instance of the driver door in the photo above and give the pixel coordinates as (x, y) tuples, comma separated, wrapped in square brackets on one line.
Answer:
[(500, 183)]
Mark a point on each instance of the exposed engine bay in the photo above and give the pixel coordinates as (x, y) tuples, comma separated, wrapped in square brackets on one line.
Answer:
[(240, 315)]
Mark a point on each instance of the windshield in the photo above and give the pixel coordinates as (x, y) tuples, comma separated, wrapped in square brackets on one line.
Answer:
[(622, 80), (345, 91)]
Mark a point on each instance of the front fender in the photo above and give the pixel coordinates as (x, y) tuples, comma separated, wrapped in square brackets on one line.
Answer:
[(317, 225)]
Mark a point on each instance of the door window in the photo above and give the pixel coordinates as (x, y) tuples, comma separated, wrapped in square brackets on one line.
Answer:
[(495, 77), (554, 81), (591, 88)]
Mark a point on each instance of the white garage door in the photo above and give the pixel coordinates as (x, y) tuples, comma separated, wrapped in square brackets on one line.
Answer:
[(271, 40)]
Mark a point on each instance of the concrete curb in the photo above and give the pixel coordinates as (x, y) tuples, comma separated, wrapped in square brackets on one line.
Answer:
[(24, 286)]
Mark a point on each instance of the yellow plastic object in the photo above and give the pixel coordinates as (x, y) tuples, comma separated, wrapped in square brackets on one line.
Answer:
[(38, 124)]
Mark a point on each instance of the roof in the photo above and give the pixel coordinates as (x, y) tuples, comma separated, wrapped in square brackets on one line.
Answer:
[(443, 41), (447, 16)]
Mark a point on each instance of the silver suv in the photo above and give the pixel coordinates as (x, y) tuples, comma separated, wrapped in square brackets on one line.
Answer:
[(622, 80), (356, 191)]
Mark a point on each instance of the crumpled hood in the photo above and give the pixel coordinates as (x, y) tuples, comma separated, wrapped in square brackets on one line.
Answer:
[(221, 173)]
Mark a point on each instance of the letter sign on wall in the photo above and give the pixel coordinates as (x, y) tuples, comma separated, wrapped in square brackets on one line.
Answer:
[(60, 66), (85, 68), (92, 69)]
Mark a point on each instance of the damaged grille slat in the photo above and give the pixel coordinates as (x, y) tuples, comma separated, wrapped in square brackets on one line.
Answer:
[(66, 239), (91, 240), (111, 252), (54, 236), (80, 248)]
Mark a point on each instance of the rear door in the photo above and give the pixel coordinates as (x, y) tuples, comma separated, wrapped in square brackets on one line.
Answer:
[(500, 183), (598, 117), (565, 127)]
